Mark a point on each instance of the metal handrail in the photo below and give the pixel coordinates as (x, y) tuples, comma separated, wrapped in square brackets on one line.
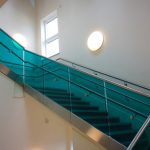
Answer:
[(125, 81), (109, 89), (139, 134), (78, 84)]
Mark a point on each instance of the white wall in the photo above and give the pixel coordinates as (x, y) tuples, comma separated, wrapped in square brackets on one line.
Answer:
[(18, 16), (125, 25)]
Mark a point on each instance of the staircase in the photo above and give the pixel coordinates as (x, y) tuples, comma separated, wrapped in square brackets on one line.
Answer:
[(122, 132), (112, 112)]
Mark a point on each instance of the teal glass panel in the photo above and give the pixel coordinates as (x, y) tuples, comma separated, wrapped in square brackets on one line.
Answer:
[(57, 89), (11, 45), (132, 109), (11, 61), (131, 99), (88, 104), (88, 81), (143, 142), (128, 125), (33, 58), (128, 108)]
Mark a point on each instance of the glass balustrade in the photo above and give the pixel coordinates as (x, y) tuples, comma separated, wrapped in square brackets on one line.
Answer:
[(114, 110)]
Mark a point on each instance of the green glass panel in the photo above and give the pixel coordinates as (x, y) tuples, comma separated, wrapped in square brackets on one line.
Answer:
[(11, 45), (143, 142), (88, 104)]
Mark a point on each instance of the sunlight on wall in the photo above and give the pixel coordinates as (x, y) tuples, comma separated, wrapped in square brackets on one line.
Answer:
[(21, 39)]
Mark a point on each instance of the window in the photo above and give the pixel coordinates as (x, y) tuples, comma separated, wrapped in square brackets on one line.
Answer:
[(50, 39)]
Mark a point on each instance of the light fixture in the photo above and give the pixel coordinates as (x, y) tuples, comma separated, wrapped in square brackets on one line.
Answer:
[(21, 39), (95, 40)]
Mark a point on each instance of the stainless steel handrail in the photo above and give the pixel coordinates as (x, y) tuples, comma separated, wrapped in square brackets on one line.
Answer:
[(125, 81), (139, 134), (78, 85), (115, 83), (106, 87)]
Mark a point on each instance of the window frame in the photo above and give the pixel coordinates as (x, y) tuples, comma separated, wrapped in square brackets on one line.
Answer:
[(44, 40)]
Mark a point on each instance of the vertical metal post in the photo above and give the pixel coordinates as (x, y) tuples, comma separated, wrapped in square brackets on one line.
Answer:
[(23, 71), (139, 134), (106, 106), (69, 90)]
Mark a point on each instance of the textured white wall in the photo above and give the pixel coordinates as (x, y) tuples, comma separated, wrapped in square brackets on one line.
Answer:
[(18, 16), (125, 25)]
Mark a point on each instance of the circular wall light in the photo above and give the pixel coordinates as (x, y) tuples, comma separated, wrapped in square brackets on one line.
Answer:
[(21, 39), (95, 41)]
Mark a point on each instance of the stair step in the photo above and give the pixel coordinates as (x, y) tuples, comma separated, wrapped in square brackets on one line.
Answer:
[(124, 135), (58, 94), (100, 120), (78, 107), (51, 90), (64, 96), (89, 113), (41, 88), (84, 106), (113, 126), (63, 102), (119, 131)]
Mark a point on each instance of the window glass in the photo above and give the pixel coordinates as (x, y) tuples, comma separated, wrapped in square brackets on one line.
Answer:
[(51, 28), (50, 35), (52, 48)]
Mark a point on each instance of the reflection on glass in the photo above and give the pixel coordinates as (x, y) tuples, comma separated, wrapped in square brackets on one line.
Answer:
[(51, 28), (52, 48)]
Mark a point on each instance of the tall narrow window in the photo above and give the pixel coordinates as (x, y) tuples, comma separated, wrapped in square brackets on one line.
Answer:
[(50, 38)]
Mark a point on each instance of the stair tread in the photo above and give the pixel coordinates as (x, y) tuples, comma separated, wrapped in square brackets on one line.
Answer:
[(113, 133), (80, 108), (98, 117), (74, 101), (61, 94), (100, 120), (50, 89), (68, 102), (86, 106), (62, 97), (112, 124), (90, 111), (82, 105)]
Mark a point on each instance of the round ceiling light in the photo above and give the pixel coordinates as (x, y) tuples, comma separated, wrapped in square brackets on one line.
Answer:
[(95, 41)]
